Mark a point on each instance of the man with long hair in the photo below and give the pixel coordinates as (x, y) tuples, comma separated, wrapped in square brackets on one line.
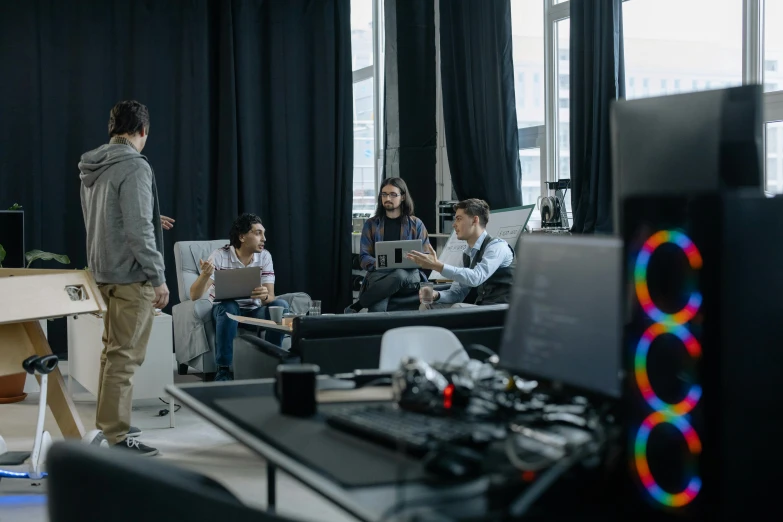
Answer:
[(393, 221)]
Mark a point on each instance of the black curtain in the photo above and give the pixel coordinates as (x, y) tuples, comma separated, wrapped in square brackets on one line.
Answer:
[(479, 108), (597, 77), (409, 91), (250, 106)]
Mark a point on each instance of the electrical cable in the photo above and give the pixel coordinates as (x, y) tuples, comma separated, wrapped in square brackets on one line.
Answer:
[(165, 411), (520, 506)]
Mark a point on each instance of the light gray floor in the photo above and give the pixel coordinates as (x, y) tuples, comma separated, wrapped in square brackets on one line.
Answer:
[(193, 443)]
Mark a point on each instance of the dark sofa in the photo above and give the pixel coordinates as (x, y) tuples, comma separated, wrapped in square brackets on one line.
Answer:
[(343, 343)]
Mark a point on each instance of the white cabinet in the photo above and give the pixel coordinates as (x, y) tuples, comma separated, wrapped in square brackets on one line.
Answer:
[(84, 356)]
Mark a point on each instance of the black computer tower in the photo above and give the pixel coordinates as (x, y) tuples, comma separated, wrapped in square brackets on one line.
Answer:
[(704, 356), (12, 238)]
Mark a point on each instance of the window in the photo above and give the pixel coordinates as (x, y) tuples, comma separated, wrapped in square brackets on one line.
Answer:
[(527, 29), (530, 161), (774, 163), (704, 37), (365, 105), (363, 147), (361, 34), (773, 45), (537, 89), (677, 85), (520, 92)]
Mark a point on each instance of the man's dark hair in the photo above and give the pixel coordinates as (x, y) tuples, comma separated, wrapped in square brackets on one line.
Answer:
[(242, 225), (128, 117), (407, 204), (475, 207)]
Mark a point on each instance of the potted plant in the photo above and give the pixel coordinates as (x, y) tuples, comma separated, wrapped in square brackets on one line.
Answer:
[(12, 386)]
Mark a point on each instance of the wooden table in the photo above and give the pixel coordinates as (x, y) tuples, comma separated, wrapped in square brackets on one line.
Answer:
[(265, 323), (29, 295)]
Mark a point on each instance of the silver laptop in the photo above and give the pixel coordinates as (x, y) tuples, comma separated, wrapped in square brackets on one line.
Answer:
[(238, 283), (390, 255)]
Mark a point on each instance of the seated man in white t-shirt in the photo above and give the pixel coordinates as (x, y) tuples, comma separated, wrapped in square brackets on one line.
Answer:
[(246, 249)]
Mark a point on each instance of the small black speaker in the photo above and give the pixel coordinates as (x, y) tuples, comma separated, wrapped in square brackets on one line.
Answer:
[(12, 238)]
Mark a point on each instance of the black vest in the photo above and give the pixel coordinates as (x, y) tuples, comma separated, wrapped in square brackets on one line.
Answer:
[(496, 289)]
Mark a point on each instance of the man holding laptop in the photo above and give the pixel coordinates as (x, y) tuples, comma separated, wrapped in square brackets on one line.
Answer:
[(387, 237), (245, 251)]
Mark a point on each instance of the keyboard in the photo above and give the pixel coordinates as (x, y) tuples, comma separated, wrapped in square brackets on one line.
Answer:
[(387, 424)]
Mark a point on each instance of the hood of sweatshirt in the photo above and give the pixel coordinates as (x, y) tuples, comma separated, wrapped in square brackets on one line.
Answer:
[(95, 162)]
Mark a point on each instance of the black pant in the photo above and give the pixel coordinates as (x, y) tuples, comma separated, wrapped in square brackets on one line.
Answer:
[(380, 285)]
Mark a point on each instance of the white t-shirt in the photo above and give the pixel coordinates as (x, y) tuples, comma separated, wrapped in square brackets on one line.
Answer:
[(226, 259)]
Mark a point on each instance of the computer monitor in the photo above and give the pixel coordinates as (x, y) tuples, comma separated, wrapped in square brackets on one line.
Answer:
[(564, 325), (12, 238), (691, 143)]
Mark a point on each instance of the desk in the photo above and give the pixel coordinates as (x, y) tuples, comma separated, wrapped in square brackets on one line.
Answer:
[(375, 503)]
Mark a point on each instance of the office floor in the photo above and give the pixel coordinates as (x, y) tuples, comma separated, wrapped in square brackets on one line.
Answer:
[(193, 443)]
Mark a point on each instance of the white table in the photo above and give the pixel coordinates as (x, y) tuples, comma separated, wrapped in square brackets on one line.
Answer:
[(149, 381)]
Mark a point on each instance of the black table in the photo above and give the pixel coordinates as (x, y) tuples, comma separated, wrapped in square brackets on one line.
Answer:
[(242, 409)]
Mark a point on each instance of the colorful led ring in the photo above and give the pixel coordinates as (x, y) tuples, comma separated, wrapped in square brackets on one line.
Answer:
[(640, 368), (640, 277), (642, 466)]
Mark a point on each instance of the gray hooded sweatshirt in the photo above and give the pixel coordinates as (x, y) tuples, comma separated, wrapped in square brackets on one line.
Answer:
[(122, 216)]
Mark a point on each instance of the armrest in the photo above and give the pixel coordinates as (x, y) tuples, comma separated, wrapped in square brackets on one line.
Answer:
[(199, 310)]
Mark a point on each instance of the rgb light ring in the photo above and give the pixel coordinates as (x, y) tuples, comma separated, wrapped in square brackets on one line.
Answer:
[(642, 466), (640, 368), (640, 277)]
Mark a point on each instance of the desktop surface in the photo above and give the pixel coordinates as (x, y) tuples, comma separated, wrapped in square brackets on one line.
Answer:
[(345, 458), (377, 502)]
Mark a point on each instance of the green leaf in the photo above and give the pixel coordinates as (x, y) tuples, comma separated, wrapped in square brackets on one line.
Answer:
[(34, 255), (16, 206), (2, 255)]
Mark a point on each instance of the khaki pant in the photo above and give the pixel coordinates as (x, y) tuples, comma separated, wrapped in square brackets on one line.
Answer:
[(127, 325)]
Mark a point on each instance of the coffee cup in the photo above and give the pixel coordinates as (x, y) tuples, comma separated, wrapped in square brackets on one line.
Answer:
[(295, 389)]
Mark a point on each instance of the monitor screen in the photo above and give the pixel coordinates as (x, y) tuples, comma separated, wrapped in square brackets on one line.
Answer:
[(12, 238), (564, 324)]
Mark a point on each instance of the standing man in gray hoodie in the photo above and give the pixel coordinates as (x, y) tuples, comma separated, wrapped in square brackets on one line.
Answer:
[(125, 254)]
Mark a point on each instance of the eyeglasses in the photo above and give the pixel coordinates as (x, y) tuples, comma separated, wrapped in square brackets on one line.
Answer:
[(392, 195)]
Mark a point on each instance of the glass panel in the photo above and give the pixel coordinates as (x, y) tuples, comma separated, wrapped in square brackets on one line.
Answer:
[(774, 170), (530, 160), (361, 33), (682, 45), (773, 46), (563, 35), (363, 147), (527, 28)]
